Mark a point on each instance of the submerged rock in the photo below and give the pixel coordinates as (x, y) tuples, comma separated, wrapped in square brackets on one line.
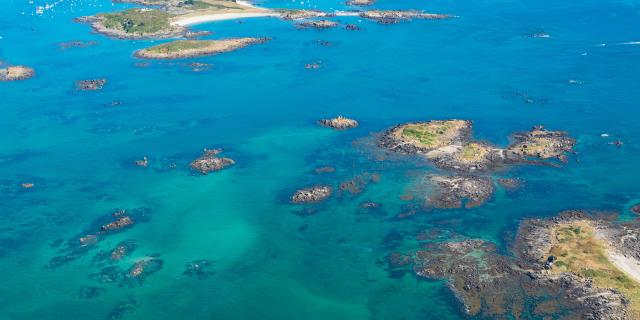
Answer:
[(87, 292), (311, 194), (199, 269), (358, 183), (352, 27), (210, 161), (325, 169), (16, 73), (90, 85), (142, 269), (340, 123), (76, 44), (509, 183), (636, 209), (122, 308)]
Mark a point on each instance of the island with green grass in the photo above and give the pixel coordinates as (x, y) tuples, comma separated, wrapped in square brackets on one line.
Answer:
[(180, 49)]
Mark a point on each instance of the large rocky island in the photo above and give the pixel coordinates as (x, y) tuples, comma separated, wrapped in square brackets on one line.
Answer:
[(449, 144), (572, 264), (170, 18), (195, 48)]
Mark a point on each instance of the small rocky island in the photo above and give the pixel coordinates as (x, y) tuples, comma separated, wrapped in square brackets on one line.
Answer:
[(395, 16), (210, 161), (180, 49), (299, 14), (449, 144), (16, 73), (572, 262), (339, 122), (318, 24), (311, 194), (90, 85), (459, 191)]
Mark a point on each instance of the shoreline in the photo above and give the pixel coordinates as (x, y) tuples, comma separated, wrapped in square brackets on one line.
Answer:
[(193, 20), (212, 17)]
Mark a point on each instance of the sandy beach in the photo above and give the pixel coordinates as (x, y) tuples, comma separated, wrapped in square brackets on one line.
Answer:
[(192, 20)]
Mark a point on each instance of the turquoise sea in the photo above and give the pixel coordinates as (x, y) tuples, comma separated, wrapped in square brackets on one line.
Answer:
[(269, 259)]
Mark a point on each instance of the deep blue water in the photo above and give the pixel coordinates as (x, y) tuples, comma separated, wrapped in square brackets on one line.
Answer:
[(261, 105)]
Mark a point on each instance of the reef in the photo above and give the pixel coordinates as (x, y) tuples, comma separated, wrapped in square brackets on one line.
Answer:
[(459, 191), (181, 49), (16, 73), (122, 308), (357, 184), (90, 85), (87, 292), (311, 194), (509, 184), (121, 250), (199, 269), (351, 27), (395, 16), (325, 169), (564, 266), (318, 24), (82, 243), (142, 269), (635, 209), (340, 123), (449, 144), (210, 161)]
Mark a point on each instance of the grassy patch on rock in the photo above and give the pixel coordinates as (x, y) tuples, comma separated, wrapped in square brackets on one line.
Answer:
[(578, 250)]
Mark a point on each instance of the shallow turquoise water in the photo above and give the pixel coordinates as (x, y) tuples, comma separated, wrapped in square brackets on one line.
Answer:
[(261, 104)]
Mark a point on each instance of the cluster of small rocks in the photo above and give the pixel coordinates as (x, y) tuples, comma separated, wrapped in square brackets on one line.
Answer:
[(311, 194), (91, 85), (16, 73), (210, 161), (340, 123), (318, 24)]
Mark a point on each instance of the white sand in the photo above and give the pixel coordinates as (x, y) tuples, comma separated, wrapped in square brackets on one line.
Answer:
[(186, 21), (629, 266)]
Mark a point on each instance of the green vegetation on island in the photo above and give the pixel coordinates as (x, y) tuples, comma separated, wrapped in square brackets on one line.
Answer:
[(195, 48), (137, 21)]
